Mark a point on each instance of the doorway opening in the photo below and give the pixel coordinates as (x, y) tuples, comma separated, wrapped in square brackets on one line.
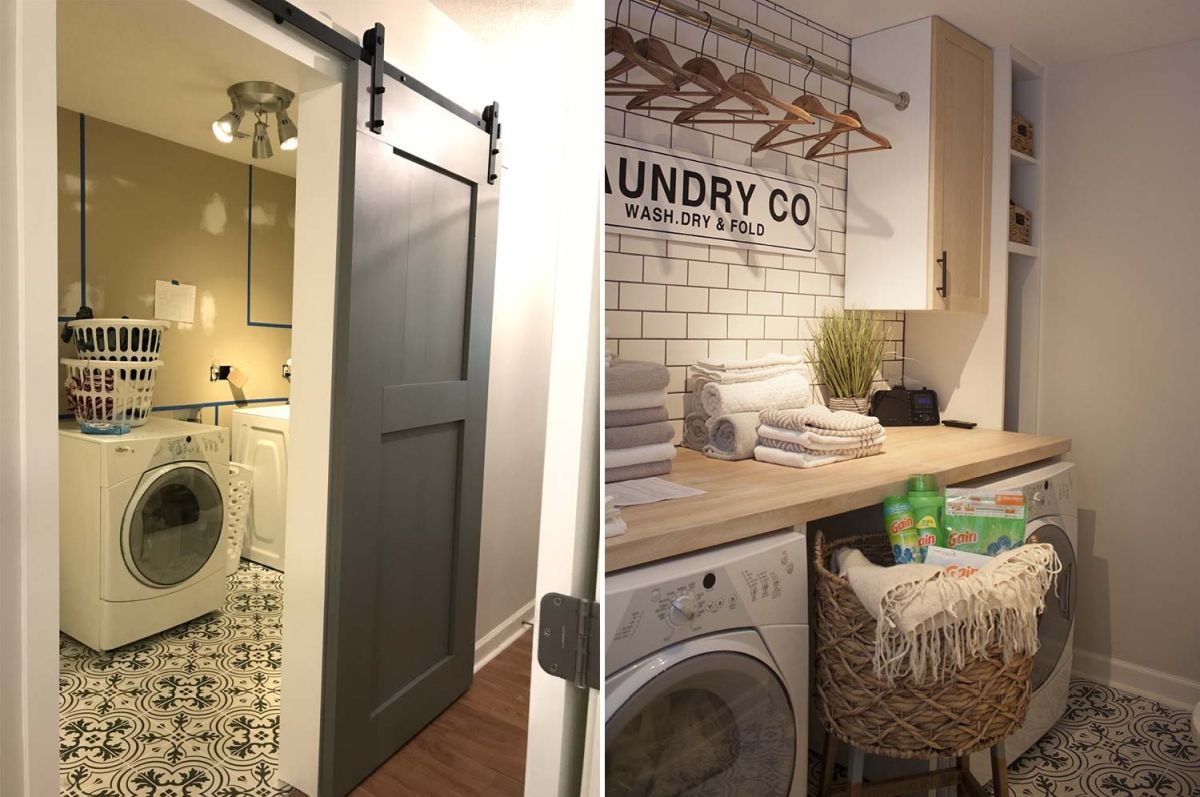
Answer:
[(185, 246)]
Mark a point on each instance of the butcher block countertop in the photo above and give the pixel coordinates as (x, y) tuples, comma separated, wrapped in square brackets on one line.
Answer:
[(746, 498)]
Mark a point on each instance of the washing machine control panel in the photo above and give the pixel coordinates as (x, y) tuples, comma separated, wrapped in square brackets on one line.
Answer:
[(767, 585)]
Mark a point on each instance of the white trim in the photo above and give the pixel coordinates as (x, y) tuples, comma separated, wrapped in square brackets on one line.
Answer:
[(1170, 690), (490, 645)]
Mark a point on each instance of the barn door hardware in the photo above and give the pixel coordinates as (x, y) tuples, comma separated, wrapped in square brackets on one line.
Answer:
[(373, 55), (568, 643), (491, 117)]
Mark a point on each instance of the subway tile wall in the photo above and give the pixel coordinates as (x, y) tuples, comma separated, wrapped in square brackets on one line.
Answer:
[(675, 302)]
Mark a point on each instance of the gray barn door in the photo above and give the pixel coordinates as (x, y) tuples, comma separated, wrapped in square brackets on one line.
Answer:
[(410, 398)]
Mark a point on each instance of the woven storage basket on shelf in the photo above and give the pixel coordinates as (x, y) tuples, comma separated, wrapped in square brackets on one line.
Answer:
[(1020, 224), (1022, 134), (974, 708)]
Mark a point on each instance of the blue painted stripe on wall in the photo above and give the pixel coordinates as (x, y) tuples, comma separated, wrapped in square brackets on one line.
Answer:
[(249, 243), (82, 209)]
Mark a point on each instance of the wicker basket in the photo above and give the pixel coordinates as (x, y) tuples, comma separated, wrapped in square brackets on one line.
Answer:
[(1020, 224), (1022, 134), (978, 707)]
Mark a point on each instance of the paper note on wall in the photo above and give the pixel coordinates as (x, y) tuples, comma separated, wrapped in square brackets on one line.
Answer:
[(174, 302)]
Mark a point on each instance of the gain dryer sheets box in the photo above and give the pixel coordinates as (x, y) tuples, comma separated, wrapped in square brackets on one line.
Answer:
[(984, 522)]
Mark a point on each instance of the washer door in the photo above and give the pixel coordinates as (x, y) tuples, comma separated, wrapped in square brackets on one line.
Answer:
[(718, 723), (1054, 626), (173, 524)]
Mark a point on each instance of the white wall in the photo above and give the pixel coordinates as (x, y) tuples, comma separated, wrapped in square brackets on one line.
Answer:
[(1119, 371), (28, 390)]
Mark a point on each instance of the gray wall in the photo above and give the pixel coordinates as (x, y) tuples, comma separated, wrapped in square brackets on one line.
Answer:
[(1120, 368)]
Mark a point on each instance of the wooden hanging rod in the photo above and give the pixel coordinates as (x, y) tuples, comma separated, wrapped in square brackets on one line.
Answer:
[(680, 11)]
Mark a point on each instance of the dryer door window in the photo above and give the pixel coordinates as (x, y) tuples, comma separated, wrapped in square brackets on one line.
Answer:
[(173, 524), (716, 724), (1054, 626)]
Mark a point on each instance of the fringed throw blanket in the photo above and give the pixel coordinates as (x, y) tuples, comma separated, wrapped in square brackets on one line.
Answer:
[(930, 621)]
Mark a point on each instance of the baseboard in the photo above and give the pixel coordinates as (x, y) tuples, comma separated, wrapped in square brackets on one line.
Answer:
[(1170, 690), (503, 635)]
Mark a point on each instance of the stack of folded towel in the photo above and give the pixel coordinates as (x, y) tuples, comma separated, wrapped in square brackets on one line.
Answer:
[(726, 396), (814, 436), (637, 437)]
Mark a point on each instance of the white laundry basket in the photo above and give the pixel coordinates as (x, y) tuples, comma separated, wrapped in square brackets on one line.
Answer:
[(101, 392), (136, 339), (237, 513)]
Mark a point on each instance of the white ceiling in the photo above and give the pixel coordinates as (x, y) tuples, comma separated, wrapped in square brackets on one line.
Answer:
[(162, 67), (1048, 31)]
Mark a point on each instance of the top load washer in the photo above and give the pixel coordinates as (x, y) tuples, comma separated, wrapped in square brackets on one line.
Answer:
[(1053, 518), (142, 518), (706, 665)]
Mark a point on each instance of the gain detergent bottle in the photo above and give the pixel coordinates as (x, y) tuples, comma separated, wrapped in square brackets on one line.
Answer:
[(928, 507), (901, 529)]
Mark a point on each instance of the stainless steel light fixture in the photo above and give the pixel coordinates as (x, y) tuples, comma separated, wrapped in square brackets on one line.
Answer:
[(259, 97)]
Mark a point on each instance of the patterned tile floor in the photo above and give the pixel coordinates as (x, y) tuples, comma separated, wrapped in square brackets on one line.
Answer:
[(190, 712), (1109, 744)]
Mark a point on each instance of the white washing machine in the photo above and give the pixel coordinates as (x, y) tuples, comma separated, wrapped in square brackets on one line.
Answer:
[(260, 441), (1053, 518), (142, 519), (706, 672)]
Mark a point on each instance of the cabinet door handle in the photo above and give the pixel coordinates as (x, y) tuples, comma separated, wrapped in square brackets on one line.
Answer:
[(942, 288)]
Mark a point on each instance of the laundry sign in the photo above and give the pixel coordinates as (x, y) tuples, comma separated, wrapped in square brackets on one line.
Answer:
[(660, 193)]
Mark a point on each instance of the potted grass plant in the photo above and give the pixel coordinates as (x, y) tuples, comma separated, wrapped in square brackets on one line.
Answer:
[(845, 354)]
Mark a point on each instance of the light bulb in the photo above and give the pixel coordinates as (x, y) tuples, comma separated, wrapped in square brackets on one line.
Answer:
[(289, 136)]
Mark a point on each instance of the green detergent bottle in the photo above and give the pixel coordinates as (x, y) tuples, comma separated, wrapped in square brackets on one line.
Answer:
[(901, 529), (928, 508)]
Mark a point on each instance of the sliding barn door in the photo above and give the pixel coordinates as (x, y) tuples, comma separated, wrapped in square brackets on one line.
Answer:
[(414, 310)]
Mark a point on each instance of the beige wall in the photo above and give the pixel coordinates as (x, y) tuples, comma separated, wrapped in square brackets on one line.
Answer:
[(1119, 371), (157, 210)]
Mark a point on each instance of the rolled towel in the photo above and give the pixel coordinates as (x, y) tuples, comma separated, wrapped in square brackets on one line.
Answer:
[(819, 442), (620, 457), (824, 420), (732, 437), (766, 360), (643, 471), (695, 431), (630, 376), (783, 391), (636, 401), (645, 435), (777, 456), (853, 452), (615, 418)]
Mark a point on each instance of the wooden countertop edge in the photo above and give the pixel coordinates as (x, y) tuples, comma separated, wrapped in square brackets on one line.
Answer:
[(642, 548)]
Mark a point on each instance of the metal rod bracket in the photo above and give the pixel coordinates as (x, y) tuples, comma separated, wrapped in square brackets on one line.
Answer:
[(491, 118)]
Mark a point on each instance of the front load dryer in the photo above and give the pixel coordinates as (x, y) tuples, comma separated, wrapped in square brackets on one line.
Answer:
[(1053, 518), (706, 672), (142, 519)]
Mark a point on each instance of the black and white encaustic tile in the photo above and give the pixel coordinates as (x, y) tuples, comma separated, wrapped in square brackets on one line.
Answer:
[(190, 712)]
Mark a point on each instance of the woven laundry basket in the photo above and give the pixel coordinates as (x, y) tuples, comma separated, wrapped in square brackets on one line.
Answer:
[(974, 708)]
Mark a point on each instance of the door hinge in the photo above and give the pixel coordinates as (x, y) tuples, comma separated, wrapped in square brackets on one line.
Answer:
[(373, 54), (569, 639), (491, 116)]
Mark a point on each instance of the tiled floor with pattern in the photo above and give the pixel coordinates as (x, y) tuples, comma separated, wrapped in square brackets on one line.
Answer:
[(189, 712), (1109, 744)]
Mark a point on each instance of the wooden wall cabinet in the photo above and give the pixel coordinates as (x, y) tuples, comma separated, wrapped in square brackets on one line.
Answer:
[(919, 216)]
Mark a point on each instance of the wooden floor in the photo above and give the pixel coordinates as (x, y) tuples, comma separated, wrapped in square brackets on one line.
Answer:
[(476, 747)]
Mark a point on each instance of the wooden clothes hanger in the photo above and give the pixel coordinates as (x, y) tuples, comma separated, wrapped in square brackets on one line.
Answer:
[(619, 40), (652, 51), (706, 68), (814, 106), (751, 84), (816, 151)]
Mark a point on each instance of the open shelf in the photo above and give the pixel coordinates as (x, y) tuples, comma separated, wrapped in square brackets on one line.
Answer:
[(1015, 248), (1021, 159)]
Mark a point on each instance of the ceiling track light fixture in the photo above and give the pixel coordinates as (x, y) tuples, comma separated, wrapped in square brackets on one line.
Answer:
[(260, 98)]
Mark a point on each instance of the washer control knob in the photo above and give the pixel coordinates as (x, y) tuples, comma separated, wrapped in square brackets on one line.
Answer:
[(683, 610)]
